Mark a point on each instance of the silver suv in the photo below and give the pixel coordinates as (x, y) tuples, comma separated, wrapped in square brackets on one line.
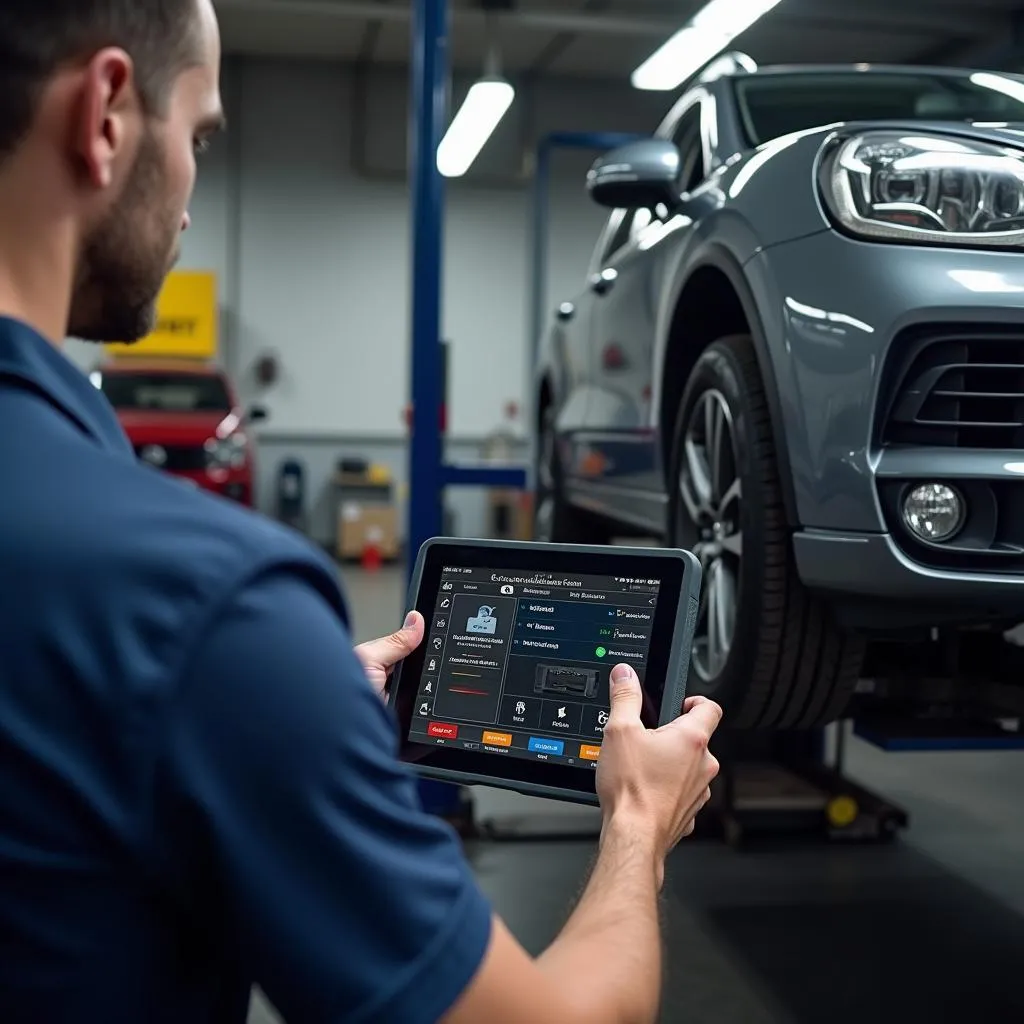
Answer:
[(799, 352)]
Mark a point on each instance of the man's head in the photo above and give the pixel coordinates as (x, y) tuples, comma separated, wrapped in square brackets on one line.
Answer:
[(104, 104)]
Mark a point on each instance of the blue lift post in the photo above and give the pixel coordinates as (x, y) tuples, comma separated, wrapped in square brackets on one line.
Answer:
[(429, 473), (428, 107)]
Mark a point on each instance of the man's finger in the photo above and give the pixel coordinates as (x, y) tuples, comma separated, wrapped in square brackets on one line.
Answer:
[(704, 714), (626, 693), (691, 702), (389, 650)]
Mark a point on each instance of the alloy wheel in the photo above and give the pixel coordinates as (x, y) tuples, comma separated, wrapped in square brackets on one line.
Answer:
[(711, 493)]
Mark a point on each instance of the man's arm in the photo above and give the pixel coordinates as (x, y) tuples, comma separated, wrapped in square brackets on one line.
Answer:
[(282, 811), (605, 966)]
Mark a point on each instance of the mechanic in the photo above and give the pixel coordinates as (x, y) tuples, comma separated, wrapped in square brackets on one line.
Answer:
[(199, 788)]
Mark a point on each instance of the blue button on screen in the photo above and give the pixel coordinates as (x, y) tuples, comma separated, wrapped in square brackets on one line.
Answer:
[(538, 746)]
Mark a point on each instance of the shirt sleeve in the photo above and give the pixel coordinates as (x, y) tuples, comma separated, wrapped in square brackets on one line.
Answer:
[(284, 808)]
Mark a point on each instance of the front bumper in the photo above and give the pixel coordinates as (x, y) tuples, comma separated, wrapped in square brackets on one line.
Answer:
[(835, 313), (235, 484), (876, 586), (862, 337)]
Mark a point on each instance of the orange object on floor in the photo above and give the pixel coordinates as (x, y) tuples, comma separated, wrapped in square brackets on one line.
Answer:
[(371, 560)]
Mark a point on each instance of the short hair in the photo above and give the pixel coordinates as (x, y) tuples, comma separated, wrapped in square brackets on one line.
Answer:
[(38, 37)]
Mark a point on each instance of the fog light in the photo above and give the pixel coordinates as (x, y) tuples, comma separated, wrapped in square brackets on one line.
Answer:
[(933, 512)]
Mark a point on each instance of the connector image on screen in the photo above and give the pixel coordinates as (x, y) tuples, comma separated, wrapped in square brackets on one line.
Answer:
[(566, 681)]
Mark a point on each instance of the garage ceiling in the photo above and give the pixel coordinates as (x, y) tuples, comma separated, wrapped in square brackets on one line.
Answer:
[(607, 39)]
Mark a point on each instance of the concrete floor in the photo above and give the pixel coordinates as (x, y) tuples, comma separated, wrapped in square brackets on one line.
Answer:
[(928, 929)]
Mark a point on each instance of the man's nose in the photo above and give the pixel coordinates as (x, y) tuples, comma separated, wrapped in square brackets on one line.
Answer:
[(186, 220)]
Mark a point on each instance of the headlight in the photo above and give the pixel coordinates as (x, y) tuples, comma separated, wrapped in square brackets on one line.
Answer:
[(900, 187), (227, 452)]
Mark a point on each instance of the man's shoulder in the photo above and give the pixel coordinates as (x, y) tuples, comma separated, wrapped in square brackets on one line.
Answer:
[(140, 544), (162, 520)]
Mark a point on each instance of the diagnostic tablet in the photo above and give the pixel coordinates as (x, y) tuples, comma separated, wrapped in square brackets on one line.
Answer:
[(510, 687)]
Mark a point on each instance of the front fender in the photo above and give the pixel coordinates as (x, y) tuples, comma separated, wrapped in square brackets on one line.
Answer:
[(726, 243)]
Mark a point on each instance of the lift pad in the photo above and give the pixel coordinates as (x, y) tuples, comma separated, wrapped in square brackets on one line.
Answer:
[(769, 800), (897, 734)]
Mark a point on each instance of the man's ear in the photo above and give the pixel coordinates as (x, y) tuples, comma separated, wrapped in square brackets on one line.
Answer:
[(107, 115)]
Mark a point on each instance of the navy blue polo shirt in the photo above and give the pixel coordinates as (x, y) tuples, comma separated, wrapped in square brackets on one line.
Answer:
[(198, 787)]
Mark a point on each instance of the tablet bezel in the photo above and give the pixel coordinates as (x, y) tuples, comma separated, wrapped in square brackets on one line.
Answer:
[(669, 657)]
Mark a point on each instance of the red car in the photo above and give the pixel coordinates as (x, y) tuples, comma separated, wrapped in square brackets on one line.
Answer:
[(185, 418)]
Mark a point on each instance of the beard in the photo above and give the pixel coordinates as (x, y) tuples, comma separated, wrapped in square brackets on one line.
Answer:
[(125, 258)]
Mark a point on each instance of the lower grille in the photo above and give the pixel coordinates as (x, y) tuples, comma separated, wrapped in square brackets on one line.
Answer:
[(958, 389), (174, 458)]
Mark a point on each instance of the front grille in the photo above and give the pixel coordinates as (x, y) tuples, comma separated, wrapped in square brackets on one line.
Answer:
[(177, 458), (958, 389)]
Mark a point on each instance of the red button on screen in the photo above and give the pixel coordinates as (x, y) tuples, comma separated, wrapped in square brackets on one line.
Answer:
[(443, 731)]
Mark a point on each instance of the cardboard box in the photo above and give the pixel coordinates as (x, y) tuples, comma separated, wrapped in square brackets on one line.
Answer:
[(372, 487), (511, 515), (362, 524)]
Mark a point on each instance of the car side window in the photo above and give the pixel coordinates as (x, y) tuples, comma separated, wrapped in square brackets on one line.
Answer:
[(621, 235), (690, 142)]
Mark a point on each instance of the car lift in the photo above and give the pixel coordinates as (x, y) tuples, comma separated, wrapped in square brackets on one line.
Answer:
[(429, 473), (772, 783), (951, 698), (781, 785)]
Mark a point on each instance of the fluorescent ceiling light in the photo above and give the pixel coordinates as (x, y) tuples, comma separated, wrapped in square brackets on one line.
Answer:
[(1011, 87), (473, 125), (700, 40)]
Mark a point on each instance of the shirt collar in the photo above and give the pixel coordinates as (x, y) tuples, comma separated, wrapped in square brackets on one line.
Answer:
[(29, 358)]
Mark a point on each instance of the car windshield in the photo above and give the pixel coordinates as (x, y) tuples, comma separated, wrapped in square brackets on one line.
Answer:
[(165, 392), (773, 105)]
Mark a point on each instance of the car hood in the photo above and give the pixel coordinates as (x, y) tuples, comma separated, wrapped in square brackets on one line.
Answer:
[(143, 427), (999, 133)]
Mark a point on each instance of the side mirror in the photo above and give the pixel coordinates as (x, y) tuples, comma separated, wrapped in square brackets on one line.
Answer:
[(638, 175), (257, 414)]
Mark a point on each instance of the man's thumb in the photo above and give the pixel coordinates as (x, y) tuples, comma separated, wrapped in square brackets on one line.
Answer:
[(403, 641), (627, 697), (412, 631)]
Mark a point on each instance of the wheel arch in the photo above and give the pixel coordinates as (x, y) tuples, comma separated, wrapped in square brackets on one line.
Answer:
[(713, 301)]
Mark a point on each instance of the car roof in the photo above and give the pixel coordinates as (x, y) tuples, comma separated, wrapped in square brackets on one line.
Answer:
[(868, 69), (722, 69), (139, 364)]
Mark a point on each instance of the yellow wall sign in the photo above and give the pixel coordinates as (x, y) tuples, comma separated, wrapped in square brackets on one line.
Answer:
[(186, 319)]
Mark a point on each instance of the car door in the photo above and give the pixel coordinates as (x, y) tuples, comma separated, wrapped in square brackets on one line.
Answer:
[(570, 340), (569, 344), (622, 445)]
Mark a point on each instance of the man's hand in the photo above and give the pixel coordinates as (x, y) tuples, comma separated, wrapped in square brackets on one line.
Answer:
[(655, 780), (651, 783), (379, 657)]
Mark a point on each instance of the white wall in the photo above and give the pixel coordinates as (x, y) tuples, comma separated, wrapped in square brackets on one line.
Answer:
[(325, 252), (307, 224)]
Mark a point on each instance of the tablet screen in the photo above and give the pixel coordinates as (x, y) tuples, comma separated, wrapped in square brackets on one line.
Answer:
[(517, 663)]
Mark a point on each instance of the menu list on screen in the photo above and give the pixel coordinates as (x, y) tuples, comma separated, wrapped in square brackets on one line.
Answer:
[(518, 664)]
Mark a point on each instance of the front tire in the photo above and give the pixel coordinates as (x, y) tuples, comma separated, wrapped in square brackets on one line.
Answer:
[(765, 649)]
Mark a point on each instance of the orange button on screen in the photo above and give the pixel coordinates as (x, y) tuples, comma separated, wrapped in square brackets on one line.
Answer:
[(590, 753), (497, 739)]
